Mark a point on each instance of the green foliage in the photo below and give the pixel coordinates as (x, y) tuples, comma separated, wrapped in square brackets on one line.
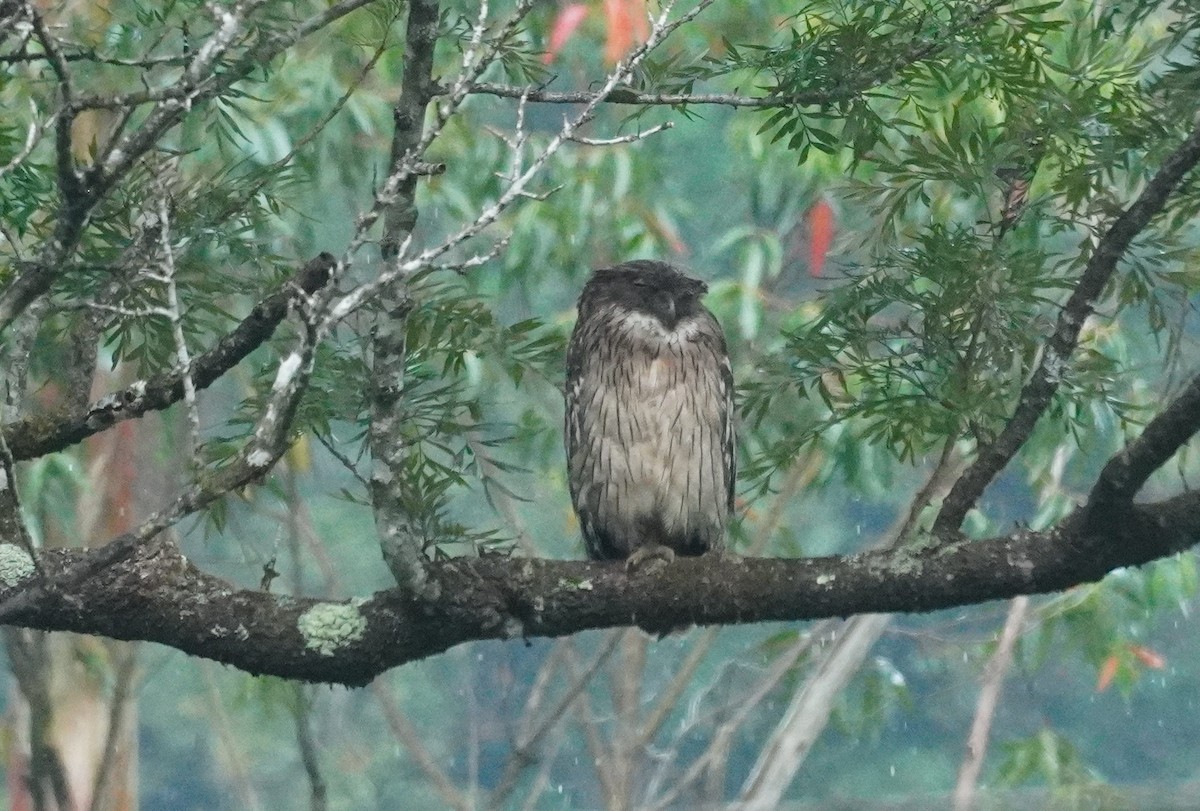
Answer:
[(1046, 757)]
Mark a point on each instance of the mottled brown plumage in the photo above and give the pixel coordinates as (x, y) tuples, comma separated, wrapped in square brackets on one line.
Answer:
[(649, 418)]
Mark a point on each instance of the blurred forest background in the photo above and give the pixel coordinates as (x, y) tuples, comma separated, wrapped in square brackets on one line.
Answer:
[(825, 233)]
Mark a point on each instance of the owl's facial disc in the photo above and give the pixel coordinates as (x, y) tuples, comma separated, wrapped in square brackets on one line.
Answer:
[(653, 289)]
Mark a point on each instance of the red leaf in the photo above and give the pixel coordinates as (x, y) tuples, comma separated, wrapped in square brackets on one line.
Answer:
[(565, 24), (1107, 671), (821, 228), (1151, 659), (627, 23)]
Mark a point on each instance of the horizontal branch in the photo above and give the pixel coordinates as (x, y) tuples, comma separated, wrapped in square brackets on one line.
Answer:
[(35, 436), (150, 592), (626, 95)]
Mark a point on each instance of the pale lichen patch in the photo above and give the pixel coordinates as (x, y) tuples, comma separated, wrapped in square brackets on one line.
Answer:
[(329, 626), (570, 584), (258, 458), (15, 564), (287, 371)]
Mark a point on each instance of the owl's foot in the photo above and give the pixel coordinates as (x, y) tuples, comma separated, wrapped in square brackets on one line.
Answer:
[(648, 557), (723, 554)]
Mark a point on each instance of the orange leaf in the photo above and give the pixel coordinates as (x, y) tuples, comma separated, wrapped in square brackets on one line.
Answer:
[(821, 229), (1149, 658), (1107, 671), (565, 24), (627, 23)]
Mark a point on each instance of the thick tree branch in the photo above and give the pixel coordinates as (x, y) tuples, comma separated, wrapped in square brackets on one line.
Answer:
[(395, 514), (151, 592), (1126, 472), (1039, 391), (36, 436)]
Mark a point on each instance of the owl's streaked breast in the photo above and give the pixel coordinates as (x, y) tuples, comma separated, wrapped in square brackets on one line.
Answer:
[(649, 434)]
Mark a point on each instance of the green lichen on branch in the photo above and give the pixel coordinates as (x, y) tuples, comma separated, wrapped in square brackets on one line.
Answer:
[(15, 564), (329, 626)]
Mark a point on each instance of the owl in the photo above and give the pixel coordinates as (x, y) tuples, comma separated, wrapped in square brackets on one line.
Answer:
[(649, 426)]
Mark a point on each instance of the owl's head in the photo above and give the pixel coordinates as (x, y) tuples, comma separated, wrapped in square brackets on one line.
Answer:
[(650, 288)]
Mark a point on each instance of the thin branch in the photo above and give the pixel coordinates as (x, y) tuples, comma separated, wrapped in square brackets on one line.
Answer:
[(32, 136), (668, 700), (808, 713), (626, 95), (412, 743), (24, 57), (1038, 392), (235, 759), (183, 358), (53, 54), (623, 139), (719, 743), (342, 459), (309, 751), (124, 681), (12, 522), (36, 436), (525, 750), (810, 708), (269, 440), (985, 708), (47, 783), (586, 717)]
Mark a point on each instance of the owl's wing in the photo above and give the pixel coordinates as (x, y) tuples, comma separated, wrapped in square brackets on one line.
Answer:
[(573, 395), (728, 427)]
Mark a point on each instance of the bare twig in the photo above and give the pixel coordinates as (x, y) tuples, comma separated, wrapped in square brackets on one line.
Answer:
[(750, 704), (411, 741), (985, 708), (32, 135), (525, 750), (267, 443), (125, 681), (309, 751), (183, 358), (853, 86), (623, 139)]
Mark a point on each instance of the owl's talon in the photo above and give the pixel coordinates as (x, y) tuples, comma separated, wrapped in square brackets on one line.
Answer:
[(723, 554), (648, 558)]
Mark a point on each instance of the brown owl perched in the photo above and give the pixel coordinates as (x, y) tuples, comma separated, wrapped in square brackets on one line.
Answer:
[(649, 418)]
